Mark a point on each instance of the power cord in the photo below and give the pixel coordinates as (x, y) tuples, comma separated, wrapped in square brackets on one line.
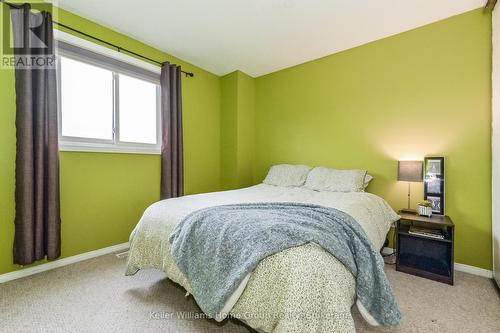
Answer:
[(393, 253)]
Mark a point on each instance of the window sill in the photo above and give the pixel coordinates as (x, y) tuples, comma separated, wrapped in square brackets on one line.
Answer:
[(103, 148)]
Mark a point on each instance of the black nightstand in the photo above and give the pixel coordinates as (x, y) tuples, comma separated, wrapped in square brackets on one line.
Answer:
[(424, 256)]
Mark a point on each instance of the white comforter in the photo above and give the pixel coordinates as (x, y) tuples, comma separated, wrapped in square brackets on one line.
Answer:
[(302, 289)]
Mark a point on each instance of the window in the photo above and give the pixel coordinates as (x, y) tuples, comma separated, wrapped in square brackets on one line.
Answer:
[(138, 107), (105, 104), (86, 101)]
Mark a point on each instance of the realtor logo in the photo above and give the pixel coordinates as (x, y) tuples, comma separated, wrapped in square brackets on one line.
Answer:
[(27, 37)]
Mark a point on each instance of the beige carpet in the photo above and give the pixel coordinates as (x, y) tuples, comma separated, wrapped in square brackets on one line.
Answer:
[(95, 296)]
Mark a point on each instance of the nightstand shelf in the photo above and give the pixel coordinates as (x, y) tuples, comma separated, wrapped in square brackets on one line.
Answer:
[(404, 231), (425, 256)]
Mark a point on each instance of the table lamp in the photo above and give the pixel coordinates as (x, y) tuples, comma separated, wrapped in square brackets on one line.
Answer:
[(410, 171)]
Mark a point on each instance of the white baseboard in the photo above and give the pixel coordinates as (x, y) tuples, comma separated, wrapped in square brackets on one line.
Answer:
[(458, 266), (387, 250), (61, 262), (124, 246), (474, 270)]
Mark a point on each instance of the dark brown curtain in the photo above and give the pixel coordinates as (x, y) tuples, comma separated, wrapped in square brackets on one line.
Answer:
[(37, 222), (172, 166)]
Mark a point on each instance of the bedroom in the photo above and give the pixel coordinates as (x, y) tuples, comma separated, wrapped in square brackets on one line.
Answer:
[(329, 92)]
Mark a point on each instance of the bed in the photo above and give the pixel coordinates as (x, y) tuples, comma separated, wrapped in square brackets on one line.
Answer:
[(301, 289)]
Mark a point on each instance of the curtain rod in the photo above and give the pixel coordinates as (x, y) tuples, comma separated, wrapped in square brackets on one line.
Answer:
[(119, 48), (490, 5)]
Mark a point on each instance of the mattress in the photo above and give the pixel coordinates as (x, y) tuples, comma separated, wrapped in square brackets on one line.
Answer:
[(301, 289)]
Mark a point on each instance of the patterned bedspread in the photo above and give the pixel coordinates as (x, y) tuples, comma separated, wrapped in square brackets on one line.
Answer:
[(300, 289)]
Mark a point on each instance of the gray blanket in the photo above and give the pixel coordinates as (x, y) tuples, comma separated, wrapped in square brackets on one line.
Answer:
[(218, 246)]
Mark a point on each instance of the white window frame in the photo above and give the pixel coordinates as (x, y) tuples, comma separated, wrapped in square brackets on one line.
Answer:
[(68, 143)]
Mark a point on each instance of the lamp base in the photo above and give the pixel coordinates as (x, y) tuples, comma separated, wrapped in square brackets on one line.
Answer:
[(408, 211)]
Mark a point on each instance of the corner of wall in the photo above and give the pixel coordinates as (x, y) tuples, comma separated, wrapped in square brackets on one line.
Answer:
[(237, 130)]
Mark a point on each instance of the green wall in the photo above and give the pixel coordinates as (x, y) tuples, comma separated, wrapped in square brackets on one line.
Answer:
[(237, 130), (422, 92), (229, 131), (104, 195)]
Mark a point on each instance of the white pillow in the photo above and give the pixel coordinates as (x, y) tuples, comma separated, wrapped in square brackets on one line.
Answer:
[(332, 180), (287, 175), (368, 179)]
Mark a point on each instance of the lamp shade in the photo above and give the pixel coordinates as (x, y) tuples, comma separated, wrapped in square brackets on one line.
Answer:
[(410, 171)]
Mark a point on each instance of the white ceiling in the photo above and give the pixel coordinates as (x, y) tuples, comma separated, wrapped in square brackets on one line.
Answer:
[(262, 36)]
